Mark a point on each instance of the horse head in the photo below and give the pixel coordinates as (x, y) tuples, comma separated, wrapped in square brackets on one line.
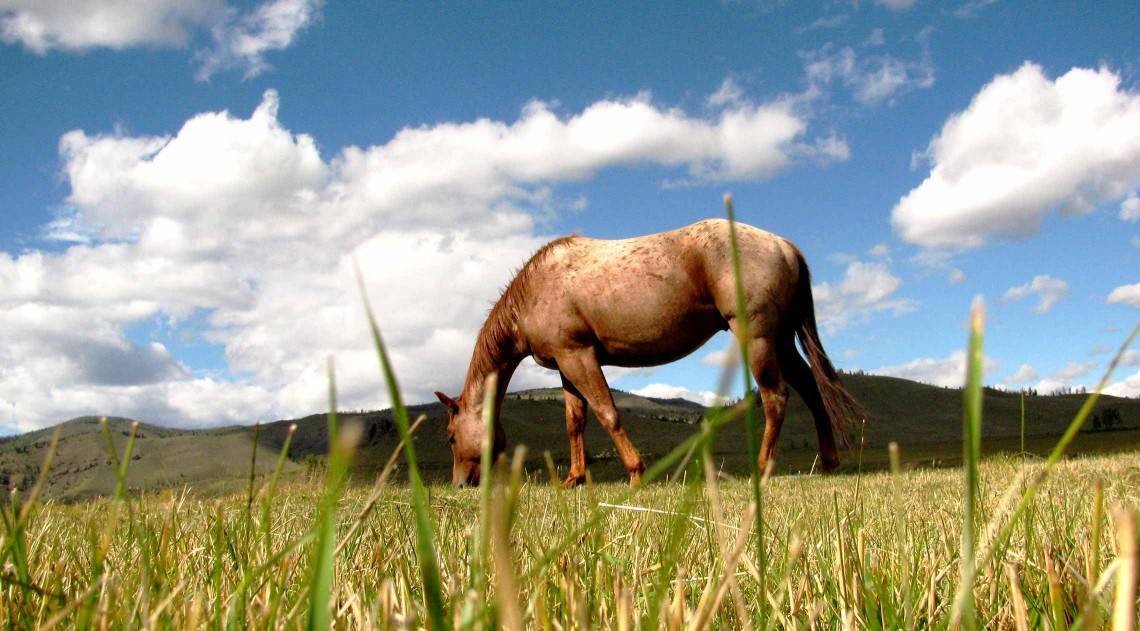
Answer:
[(465, 435)]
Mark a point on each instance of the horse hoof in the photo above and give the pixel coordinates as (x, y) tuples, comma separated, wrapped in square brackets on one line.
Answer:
[(572, 481)]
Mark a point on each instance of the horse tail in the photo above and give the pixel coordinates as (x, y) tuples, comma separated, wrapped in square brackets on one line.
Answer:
[(842, 408)]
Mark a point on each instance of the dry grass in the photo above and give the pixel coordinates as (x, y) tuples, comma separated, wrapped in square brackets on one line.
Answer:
[(1004, 543), (877, 551)]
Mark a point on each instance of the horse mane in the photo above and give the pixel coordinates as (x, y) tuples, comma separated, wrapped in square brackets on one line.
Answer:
[(498, 330)]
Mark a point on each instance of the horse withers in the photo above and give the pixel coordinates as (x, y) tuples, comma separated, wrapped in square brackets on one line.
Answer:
[(579, 304)]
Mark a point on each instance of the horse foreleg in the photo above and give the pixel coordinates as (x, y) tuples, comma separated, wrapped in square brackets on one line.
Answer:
[(576, 432), (581, 368)]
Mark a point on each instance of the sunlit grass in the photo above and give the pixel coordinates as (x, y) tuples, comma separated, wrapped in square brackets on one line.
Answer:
[(832, 556), (1003, 543)]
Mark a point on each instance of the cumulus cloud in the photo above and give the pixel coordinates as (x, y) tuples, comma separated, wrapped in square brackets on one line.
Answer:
[(1049, 292), (245, 227), (872, 78), (729, 93), (1127, 387), (865, 289), (666, 391), (44, 25), (1065, 377), (949, 372), (1130, 208), (1025, 146), (1130, 358), (241, 38), (1125, 294), (1023, 374), (721, 359)]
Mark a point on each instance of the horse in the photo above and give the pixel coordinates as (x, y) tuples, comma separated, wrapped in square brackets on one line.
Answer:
[(579, 304)]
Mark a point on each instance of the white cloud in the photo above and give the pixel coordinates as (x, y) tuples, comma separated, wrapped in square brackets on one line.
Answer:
[(865, 288), (244, 227), (1065, 377), (896, 5), (721, 359), (1074, 370), (1024, 146), (872, 78), (881, 251), (729, 93), (241, 39), (1130, 208), (1023, 374), (1049, 292), (666, 391), (43, 25), (972, 8), (825, 22), (1127, 387), (1130, 358), (948, 372), (955, 276), (1125, 294)]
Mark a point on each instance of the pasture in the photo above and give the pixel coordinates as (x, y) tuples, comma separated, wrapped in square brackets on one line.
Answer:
[(854, 551), (1012, 542)]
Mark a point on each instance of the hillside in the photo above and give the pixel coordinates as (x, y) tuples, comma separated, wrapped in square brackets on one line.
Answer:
[(925, 420)]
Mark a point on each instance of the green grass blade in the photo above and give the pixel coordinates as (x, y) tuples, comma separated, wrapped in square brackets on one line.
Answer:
[(963, 608), (997, 542), (1023, 421), (252, 470), (320, 582), (271, 489), (425, 546), (751, 422)]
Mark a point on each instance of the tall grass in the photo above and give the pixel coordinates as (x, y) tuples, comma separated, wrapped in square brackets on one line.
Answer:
[(1003, 543), (751, 422)]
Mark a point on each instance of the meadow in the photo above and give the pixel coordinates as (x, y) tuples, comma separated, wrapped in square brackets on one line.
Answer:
[(875, 550), (1013, 542)]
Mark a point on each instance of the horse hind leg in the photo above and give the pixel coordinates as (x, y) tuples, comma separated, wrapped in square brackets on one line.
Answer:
[(764, 362), (582, 370), (576, 432), (799, 375)]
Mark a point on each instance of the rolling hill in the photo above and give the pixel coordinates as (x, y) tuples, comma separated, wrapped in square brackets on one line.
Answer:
[(925, 420)]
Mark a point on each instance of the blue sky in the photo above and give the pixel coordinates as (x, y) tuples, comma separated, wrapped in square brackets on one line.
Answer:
[(184, 186)]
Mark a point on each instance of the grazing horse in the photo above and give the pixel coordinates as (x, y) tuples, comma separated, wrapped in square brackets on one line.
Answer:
[(579, 304)]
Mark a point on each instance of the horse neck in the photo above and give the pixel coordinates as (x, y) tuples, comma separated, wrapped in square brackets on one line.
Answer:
[(496, 351)]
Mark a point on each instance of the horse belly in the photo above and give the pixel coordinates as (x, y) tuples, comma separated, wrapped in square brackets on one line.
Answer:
[(648, 337)]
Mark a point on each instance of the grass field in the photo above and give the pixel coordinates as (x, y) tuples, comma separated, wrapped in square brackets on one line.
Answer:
[(873, 551), (1014, 542)]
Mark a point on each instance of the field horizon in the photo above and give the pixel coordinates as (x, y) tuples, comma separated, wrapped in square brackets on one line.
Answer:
[(216, 460)]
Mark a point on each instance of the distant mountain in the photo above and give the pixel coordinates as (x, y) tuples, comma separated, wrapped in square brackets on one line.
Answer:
[(925, 420)]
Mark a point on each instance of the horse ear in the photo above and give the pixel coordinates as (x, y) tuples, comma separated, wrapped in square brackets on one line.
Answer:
[(450, 403)]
